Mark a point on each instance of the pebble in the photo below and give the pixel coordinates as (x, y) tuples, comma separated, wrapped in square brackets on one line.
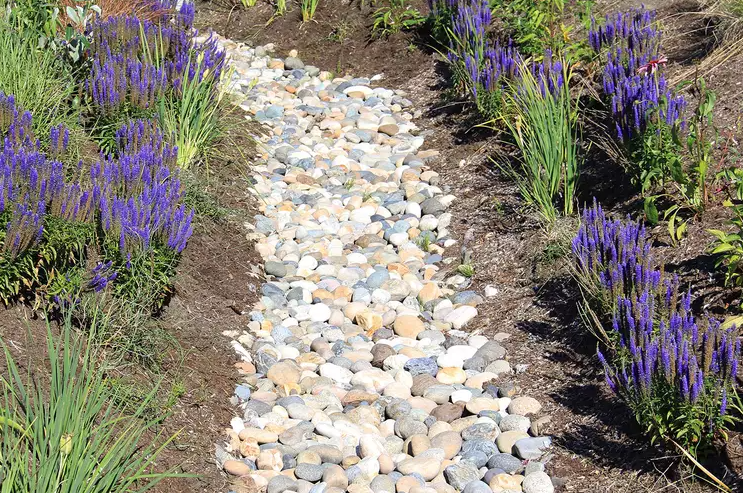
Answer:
[(358, 373)]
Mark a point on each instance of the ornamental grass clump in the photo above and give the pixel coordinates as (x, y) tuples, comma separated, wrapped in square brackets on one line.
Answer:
[(65, 434), (675, 371), (543, 124)]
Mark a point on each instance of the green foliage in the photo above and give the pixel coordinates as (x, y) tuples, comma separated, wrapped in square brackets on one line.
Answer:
[(340, 32), (663, 415), (536, 26), (545, 130), (67, 434), (729, 245), (36, 20), (42, 271), (467, 269), (394, 17), (38, 81), (193, 115), (308, 8), (424, 242), (664, 156), (248, 3)]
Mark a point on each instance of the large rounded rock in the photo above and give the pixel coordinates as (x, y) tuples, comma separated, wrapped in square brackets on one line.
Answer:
[(427, 467), (538, 482), (309, 472), (461, 474), (448, 412), (408, 326), (448, 441), (524, 406)]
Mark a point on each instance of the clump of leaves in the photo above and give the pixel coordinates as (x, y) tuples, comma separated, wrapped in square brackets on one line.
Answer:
[(467, 270), (394, 17), (66, 434)]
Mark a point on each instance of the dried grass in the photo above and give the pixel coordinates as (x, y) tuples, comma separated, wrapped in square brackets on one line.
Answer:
[(728, 15), (143, 9)]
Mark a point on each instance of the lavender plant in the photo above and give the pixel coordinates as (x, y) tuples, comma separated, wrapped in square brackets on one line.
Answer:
[(138, 64), (674, 371), (130, 207), (648, 115)]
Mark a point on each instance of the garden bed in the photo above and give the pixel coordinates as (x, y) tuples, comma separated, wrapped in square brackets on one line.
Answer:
[(525, 265)]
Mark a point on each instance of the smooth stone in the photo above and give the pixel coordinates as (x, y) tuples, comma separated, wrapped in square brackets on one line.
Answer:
[(448, 441), (461, 474), (309, 472), (537, 482), (524, 406), (531, 448), (507, 439), (505, 462), (427, 467), (515, 422)]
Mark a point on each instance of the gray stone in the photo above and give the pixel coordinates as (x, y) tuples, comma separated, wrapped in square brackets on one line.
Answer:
[(506, 462), (382, 483), (532, 447), (416, 366), (477, 487), (274, 268), (309, 472), (461, 474), (281, 483), (538, 482), (258, 407), (406, 427), (293, 63), (485, 431)]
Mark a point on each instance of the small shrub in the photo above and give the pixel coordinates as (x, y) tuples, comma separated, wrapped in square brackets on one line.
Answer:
[(128, 210), (138, 65), (728, 246), (395, 17), (673, 370), (340, 32), (467, 270), (67, 435), (534, 26), (545, 129), (649, 116)]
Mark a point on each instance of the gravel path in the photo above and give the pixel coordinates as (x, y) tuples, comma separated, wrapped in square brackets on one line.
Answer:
[(358, 371)]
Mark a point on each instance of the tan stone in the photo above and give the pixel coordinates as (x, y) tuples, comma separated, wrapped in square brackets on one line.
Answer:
[(369, 320), (478, 404), (270, 460), (259, 435), (284, 373), (449, 441), (507, 439), (505, 481), (451, 375), (409, 326), (429, 292)]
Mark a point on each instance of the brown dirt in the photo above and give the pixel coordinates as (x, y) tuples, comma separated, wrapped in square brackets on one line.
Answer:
[(217, 282), (598, 448), (337, 40)]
